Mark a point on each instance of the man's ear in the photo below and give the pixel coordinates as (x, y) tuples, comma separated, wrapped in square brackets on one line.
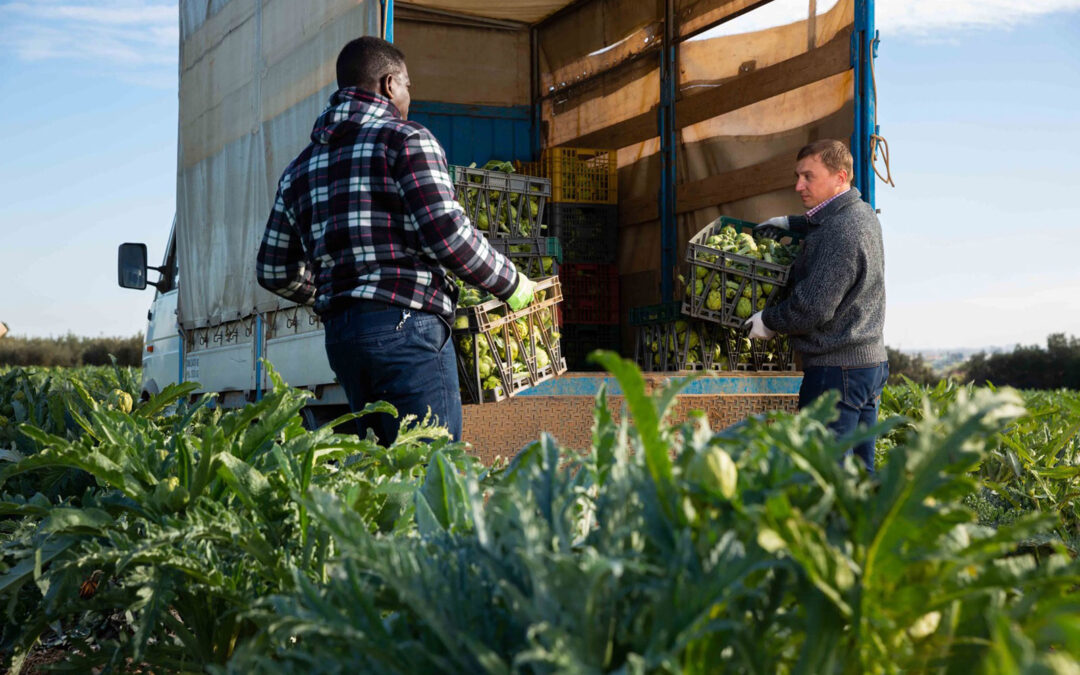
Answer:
[(393, 83)]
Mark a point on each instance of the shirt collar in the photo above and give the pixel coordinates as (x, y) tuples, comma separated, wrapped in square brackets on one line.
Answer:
[(813, 211)]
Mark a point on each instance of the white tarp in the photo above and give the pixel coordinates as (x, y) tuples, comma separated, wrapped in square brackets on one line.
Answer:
[(254, 74)]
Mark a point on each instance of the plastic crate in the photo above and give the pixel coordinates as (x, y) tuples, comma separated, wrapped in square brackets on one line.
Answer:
[(652, 314), (582, 175), (589, 232), (502, 204), (579, 340), (744, 354), (493, 329), (736, 276), (667, 340), (535, 256), (591, 292)]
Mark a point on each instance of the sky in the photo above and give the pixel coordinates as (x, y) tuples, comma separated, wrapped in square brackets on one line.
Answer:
[(978, 100)]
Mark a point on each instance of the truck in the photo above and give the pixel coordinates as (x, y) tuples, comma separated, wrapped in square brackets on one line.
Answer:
[(704, 103)]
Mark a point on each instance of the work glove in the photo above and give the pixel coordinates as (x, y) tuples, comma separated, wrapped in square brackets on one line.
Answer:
[(523, 294), (758, 329), (773, 228)]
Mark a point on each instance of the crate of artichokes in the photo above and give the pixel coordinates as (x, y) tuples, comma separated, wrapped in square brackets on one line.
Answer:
[(502, 352)]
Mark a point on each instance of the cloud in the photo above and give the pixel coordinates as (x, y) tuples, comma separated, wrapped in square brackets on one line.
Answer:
[(925, 17), (135, 40), (920, 18)]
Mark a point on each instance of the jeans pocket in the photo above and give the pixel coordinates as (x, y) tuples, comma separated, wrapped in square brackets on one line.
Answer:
[(861, 385), (431, 333)]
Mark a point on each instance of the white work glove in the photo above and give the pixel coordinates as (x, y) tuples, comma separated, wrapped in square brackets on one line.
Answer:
[(774, 228), (523, 294), (758, 329)]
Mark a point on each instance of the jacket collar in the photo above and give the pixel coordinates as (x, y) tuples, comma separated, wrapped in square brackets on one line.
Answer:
[(835, 206)]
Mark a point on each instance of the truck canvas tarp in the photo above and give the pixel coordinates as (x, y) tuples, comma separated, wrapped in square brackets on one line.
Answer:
[(254, 75)]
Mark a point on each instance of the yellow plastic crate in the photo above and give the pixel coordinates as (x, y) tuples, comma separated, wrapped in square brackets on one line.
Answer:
[(577, 175)]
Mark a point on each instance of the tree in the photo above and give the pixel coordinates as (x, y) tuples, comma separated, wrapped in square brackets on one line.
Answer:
[(914, 367), (1030, 367)]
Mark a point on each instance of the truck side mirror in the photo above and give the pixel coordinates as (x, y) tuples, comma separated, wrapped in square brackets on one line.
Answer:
[(131, 266)]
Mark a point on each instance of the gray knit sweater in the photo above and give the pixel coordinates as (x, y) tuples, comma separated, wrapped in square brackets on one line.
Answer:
[(835, 310)]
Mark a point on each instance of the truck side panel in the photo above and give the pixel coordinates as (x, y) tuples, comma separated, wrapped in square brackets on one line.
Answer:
[(476, 134)]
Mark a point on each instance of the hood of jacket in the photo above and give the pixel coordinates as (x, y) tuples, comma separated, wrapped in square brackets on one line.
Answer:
[(350, 109)]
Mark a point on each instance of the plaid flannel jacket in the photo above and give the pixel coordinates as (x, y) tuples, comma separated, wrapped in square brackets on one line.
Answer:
[(367, 211)]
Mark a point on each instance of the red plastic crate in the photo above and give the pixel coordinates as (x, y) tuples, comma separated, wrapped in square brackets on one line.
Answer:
[(590, 293)]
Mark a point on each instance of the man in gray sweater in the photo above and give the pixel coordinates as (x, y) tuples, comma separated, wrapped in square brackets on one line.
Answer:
[(835, 309)]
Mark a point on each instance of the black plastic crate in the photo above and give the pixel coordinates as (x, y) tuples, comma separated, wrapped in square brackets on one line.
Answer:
[(667, 340), (589, 232), (653, 314), (535, 256), (580, 339), (745, 354)]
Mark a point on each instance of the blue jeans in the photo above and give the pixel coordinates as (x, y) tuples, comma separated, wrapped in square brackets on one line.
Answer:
[(379, 355), (860, 394)]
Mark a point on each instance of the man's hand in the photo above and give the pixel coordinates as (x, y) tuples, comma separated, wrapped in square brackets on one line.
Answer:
[(758, 329), (774, 228), (523, 294)]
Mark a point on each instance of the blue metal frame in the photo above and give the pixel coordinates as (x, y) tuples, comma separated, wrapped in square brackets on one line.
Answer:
[(258, 357), (710, 385), (668, 169), (864, 41), (388, 29)]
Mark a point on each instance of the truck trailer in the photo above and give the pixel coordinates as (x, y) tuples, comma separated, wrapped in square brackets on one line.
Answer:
[(704, 103)]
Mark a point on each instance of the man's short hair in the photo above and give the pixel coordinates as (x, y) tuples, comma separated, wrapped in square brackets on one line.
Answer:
[(834, 155), (365, 61)]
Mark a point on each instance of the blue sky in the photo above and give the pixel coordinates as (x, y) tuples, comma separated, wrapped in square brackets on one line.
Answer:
[(978, 100)]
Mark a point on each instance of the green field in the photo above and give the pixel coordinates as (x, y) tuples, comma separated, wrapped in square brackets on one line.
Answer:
[(168, 536)]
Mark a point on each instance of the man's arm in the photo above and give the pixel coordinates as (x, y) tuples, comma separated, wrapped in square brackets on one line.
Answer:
[(813, 300), (777, 227), (798, 224), (445, 231), (282, 265)]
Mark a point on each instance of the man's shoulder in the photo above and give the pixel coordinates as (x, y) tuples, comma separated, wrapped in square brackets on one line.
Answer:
[(405, 128), (298, 167), (853, 212)]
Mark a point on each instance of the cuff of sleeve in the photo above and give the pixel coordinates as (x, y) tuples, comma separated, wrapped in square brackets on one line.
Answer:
[(768, 315), (798, 224), (513, 288)]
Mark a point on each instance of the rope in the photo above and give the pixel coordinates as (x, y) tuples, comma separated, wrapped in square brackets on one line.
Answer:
[(874, 138)]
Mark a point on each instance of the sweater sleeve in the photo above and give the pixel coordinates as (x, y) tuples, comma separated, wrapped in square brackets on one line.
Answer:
[(444, 230), (798, 224), (833, 270)]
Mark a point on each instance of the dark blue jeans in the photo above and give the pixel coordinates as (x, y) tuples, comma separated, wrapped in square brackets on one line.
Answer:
[(407, 362), (860, 394)]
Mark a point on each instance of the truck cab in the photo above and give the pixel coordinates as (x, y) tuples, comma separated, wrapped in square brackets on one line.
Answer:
[(161, 361)]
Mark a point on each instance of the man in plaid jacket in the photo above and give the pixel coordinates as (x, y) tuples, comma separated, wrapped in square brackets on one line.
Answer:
[(365, 227)]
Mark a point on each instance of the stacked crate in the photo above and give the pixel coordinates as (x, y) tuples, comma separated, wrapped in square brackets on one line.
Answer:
[(706, 330), (583, 214), (725, 289)]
